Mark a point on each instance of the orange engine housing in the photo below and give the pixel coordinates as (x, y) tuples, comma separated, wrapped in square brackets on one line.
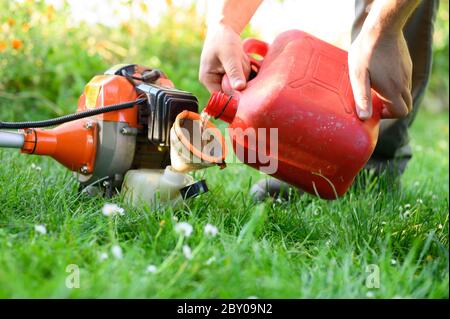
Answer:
[(74, 144), (104, 90)]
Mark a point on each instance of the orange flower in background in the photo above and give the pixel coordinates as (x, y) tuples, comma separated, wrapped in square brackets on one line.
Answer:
[(11, 21), (143, 7), (16, 44), (127, 27), (50, 12), (25, 27), (2, 46)]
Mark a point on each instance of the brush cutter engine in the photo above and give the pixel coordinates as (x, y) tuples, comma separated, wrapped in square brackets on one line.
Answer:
[(122, 122)]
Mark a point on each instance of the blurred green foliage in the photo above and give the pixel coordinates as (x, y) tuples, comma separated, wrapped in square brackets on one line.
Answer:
[(46, 59), (438, 90)]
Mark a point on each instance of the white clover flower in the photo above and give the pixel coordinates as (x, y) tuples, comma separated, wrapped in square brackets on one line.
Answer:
[(408, 206), (112, 209), (211, 230), (116, 251), (184, 229), (35, 167), (406, 214), (187, 252), (393, 262), (370, 294), (40, 229), (210, 260), (103, 256), (151, 269), (420, 201)]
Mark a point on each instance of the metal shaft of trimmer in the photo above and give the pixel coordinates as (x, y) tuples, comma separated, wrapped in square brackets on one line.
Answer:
[(11, 139)]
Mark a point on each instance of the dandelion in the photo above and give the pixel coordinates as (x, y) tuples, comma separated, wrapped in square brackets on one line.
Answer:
[(406, 214), (116, 251), (162, 223), (112, 209), (408, 206), (440, 226), (151, 269), (211, 230), (184, 229), (103, 256), (40, 229), (2, 46), (16, 44), (175, 218), (187, 252)]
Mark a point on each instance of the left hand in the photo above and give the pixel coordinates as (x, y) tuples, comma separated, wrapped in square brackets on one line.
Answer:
[(381, 61)]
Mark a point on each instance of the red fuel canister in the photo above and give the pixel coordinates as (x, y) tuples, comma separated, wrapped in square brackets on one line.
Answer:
[(301, 100)]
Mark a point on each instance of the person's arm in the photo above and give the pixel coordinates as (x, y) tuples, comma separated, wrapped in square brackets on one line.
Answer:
[(222, 51), (379, 58)]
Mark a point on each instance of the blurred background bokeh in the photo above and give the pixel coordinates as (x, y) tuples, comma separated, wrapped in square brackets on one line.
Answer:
[(50, 49)]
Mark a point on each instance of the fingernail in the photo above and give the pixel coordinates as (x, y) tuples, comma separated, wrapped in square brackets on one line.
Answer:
[(238, 84), (363, 114)]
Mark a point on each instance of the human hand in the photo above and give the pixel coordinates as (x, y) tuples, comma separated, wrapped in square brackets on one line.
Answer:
[(223, 54), (381, 60)]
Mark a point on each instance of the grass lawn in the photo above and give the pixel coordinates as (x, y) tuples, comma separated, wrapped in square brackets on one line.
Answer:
[(373, 243)]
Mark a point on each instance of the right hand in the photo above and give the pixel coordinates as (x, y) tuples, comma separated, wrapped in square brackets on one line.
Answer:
[(223, 54)]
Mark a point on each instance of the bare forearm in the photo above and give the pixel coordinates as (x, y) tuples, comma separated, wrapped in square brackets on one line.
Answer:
[(389, 16), (237, 13), (379, 58)]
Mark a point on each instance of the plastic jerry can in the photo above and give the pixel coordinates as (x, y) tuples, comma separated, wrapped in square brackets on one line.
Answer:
[(302, 92)]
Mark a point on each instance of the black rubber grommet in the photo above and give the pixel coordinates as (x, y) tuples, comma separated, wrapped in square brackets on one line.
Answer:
[(224, 107), (194, 189)]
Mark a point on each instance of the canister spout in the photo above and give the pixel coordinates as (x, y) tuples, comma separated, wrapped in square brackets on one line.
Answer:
[(11, 139), (222, 106)]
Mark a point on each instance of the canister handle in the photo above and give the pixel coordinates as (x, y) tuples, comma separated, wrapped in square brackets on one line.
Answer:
[(250, 46), (255, 46)]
